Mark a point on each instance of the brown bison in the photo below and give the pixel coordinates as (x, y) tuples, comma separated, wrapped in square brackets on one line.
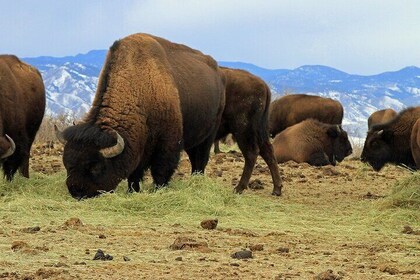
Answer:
[(246, 117), (390, 142), (294, 108), (154, 98), (381, 116), (22, 106), (415, 143), (313, 142)]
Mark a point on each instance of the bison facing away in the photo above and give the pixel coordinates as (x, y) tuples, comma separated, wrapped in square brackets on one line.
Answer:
[(22, 106), (381, 116), (294, 108), (390, 142), (313, 142), (153, 98), (246, 117)]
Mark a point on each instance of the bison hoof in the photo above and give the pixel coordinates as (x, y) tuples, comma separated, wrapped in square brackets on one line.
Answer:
[(276, 192), (238, 190)]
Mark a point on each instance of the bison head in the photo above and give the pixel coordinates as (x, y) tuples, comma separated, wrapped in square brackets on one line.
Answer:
[(91, 159), (377, 151), (340, 142)]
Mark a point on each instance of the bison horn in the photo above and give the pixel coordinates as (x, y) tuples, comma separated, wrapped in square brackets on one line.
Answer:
[(12, 148), (115, 150), (338, 128), (380, 132), (59, 135)]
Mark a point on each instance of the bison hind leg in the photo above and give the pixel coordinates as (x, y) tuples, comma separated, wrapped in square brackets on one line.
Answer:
[(250, 150), (267, 153), (318, 159), (199, 155)]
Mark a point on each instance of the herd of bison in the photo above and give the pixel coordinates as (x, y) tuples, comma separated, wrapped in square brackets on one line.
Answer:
[(156, 98)]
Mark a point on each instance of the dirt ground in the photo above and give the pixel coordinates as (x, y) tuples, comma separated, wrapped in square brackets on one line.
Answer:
[(176, 251)]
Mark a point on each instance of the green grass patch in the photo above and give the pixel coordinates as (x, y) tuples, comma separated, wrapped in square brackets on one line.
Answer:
[(405, 194), (44, 199)]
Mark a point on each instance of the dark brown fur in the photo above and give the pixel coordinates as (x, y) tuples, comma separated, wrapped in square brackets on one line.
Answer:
[(313, 142), (22, 106), (294, 108), (415, 143), (390, 142), (246, 117), (381, 116), (160, 97)]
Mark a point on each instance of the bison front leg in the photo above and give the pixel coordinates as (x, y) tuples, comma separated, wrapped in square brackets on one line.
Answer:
[(267, 153), (10, 166), (319, 159), (164, 161), (134, 179)]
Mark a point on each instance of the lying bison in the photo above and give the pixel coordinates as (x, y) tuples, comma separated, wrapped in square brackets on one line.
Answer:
[(22, 105), (294, 108), (313, 142), (390, 142), (246, 117), (381, 116), (153, 98)]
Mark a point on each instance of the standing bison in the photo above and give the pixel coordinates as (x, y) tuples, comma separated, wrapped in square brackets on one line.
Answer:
[(313, 142), (294, 108), (22, 104), (246, 117), (381, 116), (390, 142), (153, 98)]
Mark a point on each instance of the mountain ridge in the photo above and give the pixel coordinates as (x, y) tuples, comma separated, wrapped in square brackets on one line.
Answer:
[(71, 81)]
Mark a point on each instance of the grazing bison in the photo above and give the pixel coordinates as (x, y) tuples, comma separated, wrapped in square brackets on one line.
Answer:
[(22, 106), (381, 116), (246, 117), (294, 108), (390, 142), (153, 98), (313, 142)]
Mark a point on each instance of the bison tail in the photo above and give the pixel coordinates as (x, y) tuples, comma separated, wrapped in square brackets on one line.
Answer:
[(263, 134)]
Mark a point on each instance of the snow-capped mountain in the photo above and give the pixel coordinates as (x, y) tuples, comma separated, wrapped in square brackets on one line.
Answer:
[(359, 95), (71, 84)]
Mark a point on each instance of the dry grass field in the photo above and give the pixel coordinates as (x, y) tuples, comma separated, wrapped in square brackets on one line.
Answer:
[(343, 222)]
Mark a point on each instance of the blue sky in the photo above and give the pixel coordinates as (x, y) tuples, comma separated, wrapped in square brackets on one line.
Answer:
[(359, 37)]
